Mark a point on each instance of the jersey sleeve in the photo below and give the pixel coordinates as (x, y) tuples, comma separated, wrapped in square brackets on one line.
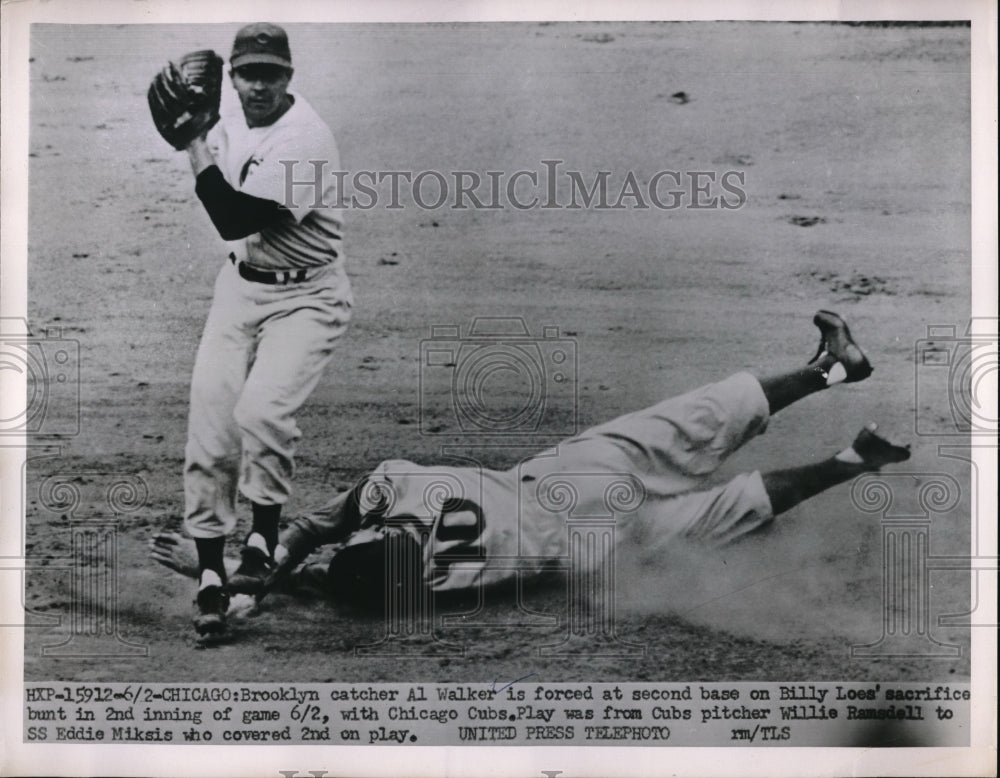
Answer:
[(296, 170)]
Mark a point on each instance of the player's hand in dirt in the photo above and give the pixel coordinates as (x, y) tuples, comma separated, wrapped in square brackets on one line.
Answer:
[(180, 554)]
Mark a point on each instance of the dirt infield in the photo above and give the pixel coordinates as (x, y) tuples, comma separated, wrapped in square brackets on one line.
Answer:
[(852, 146)]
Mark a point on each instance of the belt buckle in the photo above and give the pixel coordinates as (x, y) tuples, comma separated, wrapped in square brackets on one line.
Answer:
[(283, 277)]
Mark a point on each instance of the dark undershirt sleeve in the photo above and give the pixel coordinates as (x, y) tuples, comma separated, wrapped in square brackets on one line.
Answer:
[(332, 523), (234, 214)]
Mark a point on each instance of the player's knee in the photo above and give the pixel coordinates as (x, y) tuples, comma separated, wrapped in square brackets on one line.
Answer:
[(209, 522), (261, 419), (245, 417)]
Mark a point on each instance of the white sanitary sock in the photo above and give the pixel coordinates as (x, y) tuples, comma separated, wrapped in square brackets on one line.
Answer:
[(209, 578)]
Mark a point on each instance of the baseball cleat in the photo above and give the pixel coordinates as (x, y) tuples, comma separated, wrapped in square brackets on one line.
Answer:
[(255, 568), (876, 451), (211, 606), (837, 343)]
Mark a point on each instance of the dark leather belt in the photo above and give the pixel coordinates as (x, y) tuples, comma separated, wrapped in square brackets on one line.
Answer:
[(269, 276)]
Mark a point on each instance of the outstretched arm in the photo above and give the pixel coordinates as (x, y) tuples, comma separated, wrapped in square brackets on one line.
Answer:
[(332, 523)]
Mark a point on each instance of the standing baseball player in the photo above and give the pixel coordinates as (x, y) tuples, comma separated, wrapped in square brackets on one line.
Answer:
[(469, 527), (281, 301)]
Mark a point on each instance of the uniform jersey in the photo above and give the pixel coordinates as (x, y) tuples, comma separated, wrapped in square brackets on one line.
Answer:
[(282, 162), (641, 477)]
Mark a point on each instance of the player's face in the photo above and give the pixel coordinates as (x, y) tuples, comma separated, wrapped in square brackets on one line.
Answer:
[(263, 92)]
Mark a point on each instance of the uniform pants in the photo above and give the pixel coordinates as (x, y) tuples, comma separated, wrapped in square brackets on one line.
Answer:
[(263, 350), (672, 449)]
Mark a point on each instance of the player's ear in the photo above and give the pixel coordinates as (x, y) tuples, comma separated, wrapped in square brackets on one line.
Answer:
[(290, 71)]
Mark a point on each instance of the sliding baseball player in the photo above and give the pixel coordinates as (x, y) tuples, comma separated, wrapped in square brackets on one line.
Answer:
[(475, 527)]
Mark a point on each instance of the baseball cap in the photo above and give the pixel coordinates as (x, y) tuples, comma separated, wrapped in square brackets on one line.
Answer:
[(261, 43)]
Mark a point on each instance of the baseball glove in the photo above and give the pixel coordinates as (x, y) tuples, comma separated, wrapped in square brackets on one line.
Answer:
[(184, 97)]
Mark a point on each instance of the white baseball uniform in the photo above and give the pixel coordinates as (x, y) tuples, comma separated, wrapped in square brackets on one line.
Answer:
[(265, 345), (644, 473)]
